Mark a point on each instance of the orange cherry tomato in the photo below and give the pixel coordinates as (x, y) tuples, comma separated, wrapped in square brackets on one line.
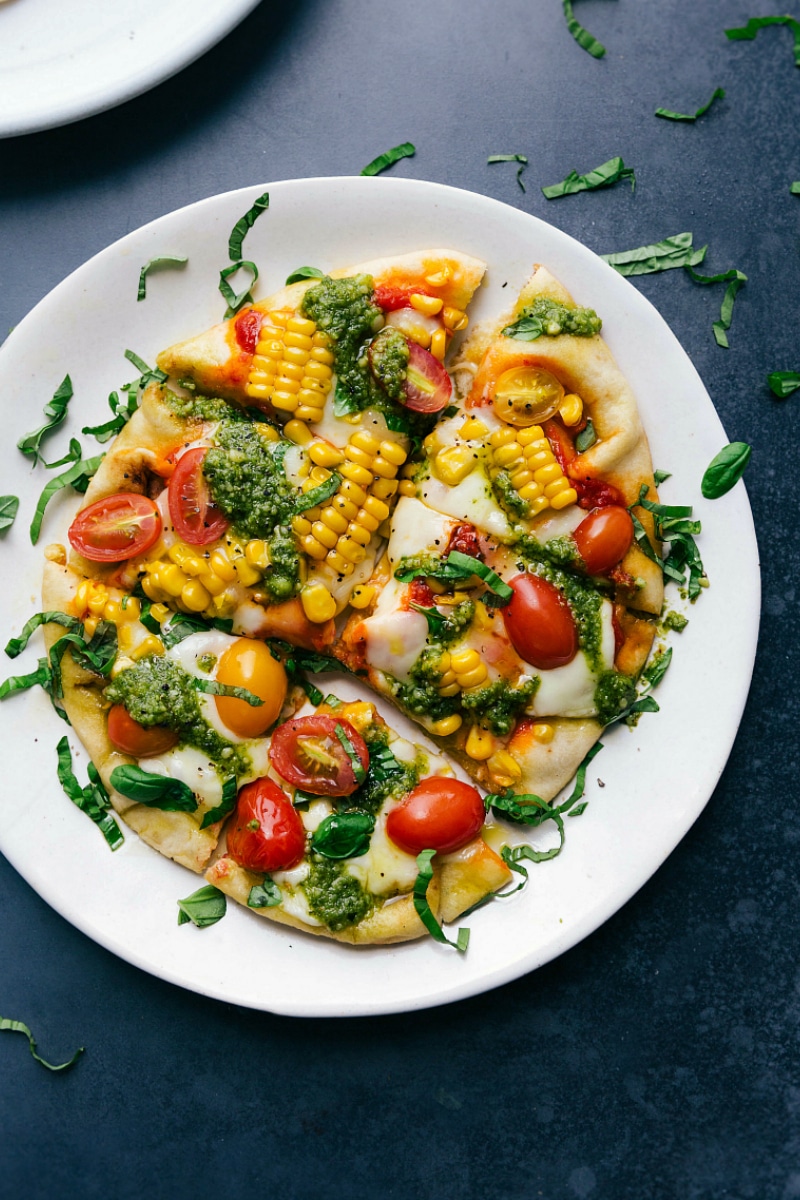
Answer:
[(604, 538), (439, 814), (249, 664), (140, 741), (265, 833), (540, 624), (116, 528), (309, 753), (195, 516)]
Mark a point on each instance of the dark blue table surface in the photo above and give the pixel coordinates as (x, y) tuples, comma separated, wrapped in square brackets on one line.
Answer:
[(660, 1056)]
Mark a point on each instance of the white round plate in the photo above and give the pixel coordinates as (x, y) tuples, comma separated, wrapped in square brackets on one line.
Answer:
[(64, 61), (657, 777)]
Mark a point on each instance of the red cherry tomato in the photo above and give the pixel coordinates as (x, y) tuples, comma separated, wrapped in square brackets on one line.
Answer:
[(420, 592), (439, 814), (308, 752), (540, 624), (390, 298), (593, 493), (116, 528), (604, 538), (464, 539), (196, 518), (265, 833), (247, 327), (129, 737), (428, 387)]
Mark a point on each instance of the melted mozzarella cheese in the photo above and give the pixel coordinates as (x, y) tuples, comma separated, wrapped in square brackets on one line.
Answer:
[(186, 654), (471, 500), (395, 637), (192, 767), (417, 528), (385, 868), (569, 691)]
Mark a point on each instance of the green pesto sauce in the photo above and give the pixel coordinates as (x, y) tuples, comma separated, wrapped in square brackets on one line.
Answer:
[(334, 896), (157, 691), (197, 408), (584, 600), (343, 309), (457, 621), (549, 318), (499, 703), (674, 620), (421, 694), (389, 361), (508, 497), (563, 551), (380, 784), (613, 694)]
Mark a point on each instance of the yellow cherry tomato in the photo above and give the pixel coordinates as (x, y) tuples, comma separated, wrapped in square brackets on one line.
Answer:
[(527, 396), (249, 664)]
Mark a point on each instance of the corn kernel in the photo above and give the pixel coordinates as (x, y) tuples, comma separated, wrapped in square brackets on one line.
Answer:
[(520, 477), (533, 433), (472, 429), (178, 553), (366, 520), (376, 508), (149, 645), (331, 517), (323, 454), (531, 491), (356, 474), (483, 619), (503, 765), (565, 498), (407, 487), (464, 660), (193, 565), (224, 605), (504, 456), (429, 305), (393, 453), (571, 409), (221, 565), (439, 278), (366, 441), (384, 488), (318, 371), (125, 639), (539, 504), (383, 469), (301, 325), (356, 455), (171, 579), (97, 601), (312, 547), (547, 474), (362, 596), (439, 344), (212, 583), (360, 533), (322, 355), (256, 553), (454, 464), (247, 575), (543, 732), (473, 678), (90, 625), (324, 534), (195, 596), (350, 550), (267, 432), (449, 689), (150, 588), (335, 560), (556, 487), (446, 725), (318, 604), (160, 613), (503, 437), (343, 506), (284, 400), (111, 612), (479, 744), (454, 319)]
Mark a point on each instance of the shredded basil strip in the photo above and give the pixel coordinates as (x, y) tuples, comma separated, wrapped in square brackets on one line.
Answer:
[(204, 907), (264, 895), (211, 688), (586, 438), (226, 804), (93, 799), (795, 188), (517, 158), (473, 566), (672, 252), (719, 94), (781, 383), (234, 300), (78, 477), (350, 750), (734, 279), (21, 683), (243, 225), (423, 908), (528, 809), (582, 36), (154, 791), (7, 1024), (183, 625), (318, 495), (9, 507), (55, 412), (748, 32), (304, 273), (72, 455), (15, 646), (312, 691), (607, 174), (157, 264), (642, 705), (580, 783), (655, 672), (122, 411), (146, 374), (343, 835), (98, 654), (725, 469), (404, 150), (672, 525), (436, 622), (660, 476)]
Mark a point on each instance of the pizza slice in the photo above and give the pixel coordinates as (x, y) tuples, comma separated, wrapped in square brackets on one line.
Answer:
[(328, 840), (510, 616)]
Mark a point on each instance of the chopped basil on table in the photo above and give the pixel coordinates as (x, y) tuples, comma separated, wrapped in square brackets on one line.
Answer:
[(748, 32), (718, 94), (517, 158), (607, 174), (383, 161), (10, 1026), (725, 469), (582, 36), (781, 383), (9, 506)]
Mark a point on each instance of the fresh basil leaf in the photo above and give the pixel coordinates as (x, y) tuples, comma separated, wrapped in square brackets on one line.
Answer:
[(383, 765), (264, 895), (20, 683), (212, 688), (719, 94), (146, 374), (9, 506), (183, 625), (93, 799), (781, 383), (351, 752), (586, 438), (725, 469), (226, 804), (157, 264), (582, 36), (404, 150), (475, 567), (304, 273), (312, 691), (16, 645), (607, 174), (55, 412), (734, 279), (244, 224), (204, 907), (318, 495), (528, 810), (795, 188), (235, 300), (8, 1025), (749, 31), (72, 455), (78, 477), (343, 835), (642, 705), (580, 782), (154, 791), (660, 477), (423, 908), (517, 158), (436, 622), (655, 672), (672, 252), (148, 620), (343, 403), (308, 660)]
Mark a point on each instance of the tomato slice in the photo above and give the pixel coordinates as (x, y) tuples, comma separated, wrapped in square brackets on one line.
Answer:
[(309, 753), (540, 624), (390, 298), (116, 528), (428, 387), (439, 814), (604, 538), (247, 327), (140, 741), (195, 516), (265, 833)]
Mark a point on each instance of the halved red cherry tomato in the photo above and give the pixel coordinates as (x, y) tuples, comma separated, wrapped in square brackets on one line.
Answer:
[(604, 538), (391, 298), (196, 518), (309, 753), (116, 528), (247, 326), (540, 624), (439, 814), (140, 741), (428, 387), (266, 833)]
